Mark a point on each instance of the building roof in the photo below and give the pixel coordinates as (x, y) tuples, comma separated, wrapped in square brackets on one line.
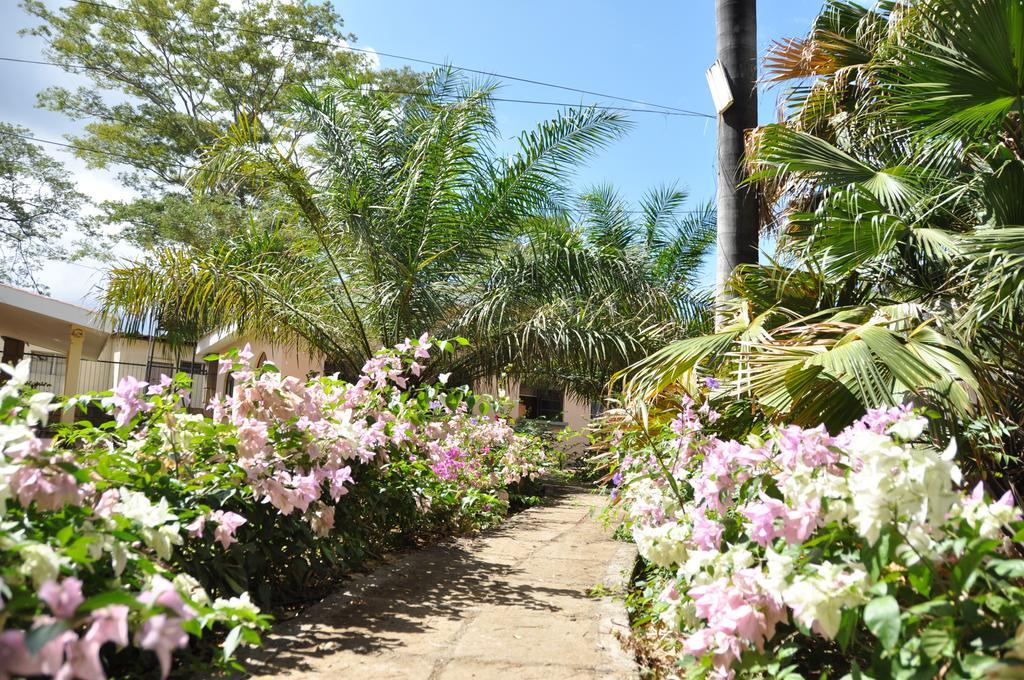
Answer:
[(45, 322)]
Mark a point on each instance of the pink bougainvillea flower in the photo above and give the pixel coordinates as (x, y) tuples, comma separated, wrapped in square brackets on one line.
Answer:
[(306, 490), (62, 598), (322, 519), (15, 658), (808, 447), (109, 624), (218, 410), (162, 593), (127, 400), (252, 437), (107, 502), (162, 634), (29, 448), (50, 488), (337, 479), (801, 521), (245, 354), (165, 382), (400, 433), (56, 655), (422, 345), (227, 524), (707, 533), (196, 526), (762, 515), (273, 491)]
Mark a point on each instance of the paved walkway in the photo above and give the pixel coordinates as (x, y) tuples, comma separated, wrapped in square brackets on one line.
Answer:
[(513, 602)]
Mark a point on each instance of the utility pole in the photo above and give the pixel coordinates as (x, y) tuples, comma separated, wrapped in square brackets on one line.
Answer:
[(736, 44)]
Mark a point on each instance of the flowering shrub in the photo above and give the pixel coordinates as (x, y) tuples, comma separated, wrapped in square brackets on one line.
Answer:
[(801, 553), (148, 532)]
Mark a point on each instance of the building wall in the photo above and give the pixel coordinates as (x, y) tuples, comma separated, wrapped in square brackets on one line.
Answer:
[(136, 351), (290, 361), (122, 356), (575, 412)]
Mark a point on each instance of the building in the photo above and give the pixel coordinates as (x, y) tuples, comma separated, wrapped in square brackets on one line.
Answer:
[(73, 351)]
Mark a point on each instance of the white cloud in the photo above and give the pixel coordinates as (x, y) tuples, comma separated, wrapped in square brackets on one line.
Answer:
[(73, 282)]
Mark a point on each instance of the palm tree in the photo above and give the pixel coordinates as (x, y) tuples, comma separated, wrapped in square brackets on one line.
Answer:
[(397, 216), (895, 181), (587, 291)]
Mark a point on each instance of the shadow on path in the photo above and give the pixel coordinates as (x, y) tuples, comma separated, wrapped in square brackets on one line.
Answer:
[(420, 608)]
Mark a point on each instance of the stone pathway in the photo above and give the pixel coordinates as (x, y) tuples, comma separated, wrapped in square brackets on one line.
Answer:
[(513, 602)]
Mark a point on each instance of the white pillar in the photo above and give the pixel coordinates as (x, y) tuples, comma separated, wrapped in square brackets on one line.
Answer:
[(115, 370), (73, 368)]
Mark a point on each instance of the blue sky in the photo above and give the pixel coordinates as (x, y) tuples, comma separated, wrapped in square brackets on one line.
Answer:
[(650, 50)]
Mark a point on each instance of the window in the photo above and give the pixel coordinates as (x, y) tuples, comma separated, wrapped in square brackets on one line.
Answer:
[(540, 404), (157, 369), (193, 368)]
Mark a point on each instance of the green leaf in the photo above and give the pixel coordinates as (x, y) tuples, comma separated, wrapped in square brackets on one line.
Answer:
[(65, 533), (36, 638), (936, 607), (847, 627), (936, 640), (231, 642), (882, 617), (977, 664), (920, 577), (108, 598), (251, 636), (965, 570), (1009, 568), (79, 550)]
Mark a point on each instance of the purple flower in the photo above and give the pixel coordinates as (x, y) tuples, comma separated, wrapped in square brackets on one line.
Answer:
[(617, 478), (712, 383), (165, 382), (126, 400)]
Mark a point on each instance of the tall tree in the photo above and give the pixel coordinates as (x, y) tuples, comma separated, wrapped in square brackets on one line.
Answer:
[(897, 173), (38, 204), (401, 219), (168, 78)]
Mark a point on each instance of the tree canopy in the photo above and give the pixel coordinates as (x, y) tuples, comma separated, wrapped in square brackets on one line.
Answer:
[(167, 78), (894, 183), (38, 204), (398, 218)]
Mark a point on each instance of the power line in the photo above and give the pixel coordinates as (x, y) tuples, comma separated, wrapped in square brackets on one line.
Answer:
[(132, 160), (493, 74), (410, 93), (76, 147)]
